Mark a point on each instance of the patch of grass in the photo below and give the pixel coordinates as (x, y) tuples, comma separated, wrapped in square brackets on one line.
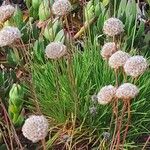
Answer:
[(62, 100)]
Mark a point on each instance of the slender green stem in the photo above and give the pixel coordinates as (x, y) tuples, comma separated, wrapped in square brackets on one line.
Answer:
[(134, 32), (116, 76), (111, 9), (115, 6)]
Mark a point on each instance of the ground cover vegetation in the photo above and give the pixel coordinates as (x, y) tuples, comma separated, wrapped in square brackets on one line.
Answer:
[(74, 75)]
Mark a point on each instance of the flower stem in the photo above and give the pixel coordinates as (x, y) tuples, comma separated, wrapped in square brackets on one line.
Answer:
[(117, 140), (115, 111), (43, 144), (128, 121), (148, 139)]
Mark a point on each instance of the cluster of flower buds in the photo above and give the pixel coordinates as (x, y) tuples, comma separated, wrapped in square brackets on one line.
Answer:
[(126, 91), (15, 106), (8, 34), (133, 66)]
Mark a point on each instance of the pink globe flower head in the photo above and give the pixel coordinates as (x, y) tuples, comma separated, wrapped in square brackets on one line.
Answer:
[(61, 7), (127, 91), (6, 11), (135, 66), (55, 50), (108, 49), (106, 94), (118, 59), (35, 128), (113, 27), (8, 35)]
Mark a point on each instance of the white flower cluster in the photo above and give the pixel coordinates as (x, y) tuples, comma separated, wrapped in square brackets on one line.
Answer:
[(6, 11), (8, 35), (108, 49), (55, 50), (135, 66), (106, 94), (35, 128), (61, 7), (118, 59), (113, 27), (127, 91)]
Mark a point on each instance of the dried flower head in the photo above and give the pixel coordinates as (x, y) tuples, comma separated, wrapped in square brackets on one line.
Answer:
[(108, 49), (61, 7), (55, 50), (94, 98), (106, 135), (113, 26), (106, 94), (135, 66), (8, 35), (93, 110), (127, 91), (6, 11), (35, 128), (118, 59), (66, 138)]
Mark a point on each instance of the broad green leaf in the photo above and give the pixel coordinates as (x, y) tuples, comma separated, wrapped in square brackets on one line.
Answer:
[(60, 36)]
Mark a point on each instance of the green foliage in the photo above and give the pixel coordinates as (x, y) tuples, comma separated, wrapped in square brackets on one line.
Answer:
[(15, 107), (44, 10), (6, 80), (36, 4), (64, 88), (58, 98), (18, 18), (53, 31), (13, 57)]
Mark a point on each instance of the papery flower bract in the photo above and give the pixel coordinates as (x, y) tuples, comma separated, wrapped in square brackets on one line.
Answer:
[(61, 7), (93, 110), (108, 49), (112, 27), (127, 91), (135, 66), (94, 98), (118, 59), (55, 50), (106, 94), (35, 128), (106, 135), (8, 35), (6, 11)]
